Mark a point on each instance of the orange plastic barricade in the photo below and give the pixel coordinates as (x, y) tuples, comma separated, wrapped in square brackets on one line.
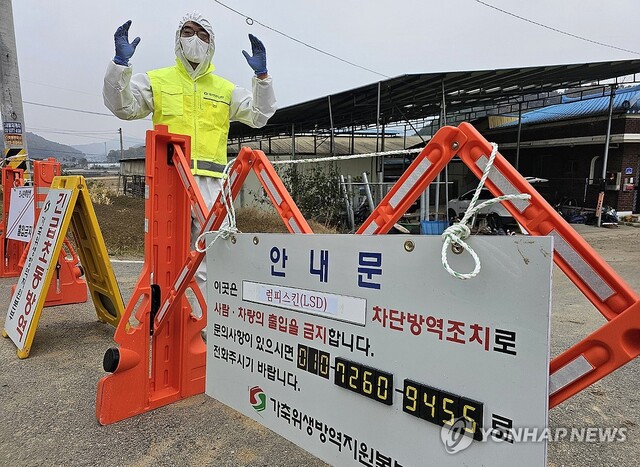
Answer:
[(161, 354), (67, 205), (44, 172), (10, 250), (610, 347), (67, 285)]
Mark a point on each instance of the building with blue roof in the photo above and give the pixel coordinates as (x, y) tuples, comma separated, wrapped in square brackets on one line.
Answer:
[(624, 100), (565, 143)]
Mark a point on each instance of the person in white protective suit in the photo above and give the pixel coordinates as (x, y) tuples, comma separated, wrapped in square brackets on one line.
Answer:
[(190, 99)]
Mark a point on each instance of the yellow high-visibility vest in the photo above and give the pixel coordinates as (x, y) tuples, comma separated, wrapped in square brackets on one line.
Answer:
[(199, 109)]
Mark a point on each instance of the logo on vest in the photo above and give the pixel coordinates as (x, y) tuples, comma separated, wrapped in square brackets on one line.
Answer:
[(212, 95)]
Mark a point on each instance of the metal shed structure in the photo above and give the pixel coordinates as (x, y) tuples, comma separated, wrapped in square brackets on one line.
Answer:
[(460, 95), (424, 102)]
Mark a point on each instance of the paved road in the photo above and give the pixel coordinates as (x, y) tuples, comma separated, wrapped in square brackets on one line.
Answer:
[(47, 402)]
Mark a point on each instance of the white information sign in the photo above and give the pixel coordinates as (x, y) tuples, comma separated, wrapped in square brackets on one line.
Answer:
[(21, 214), (363, 350), (40, 262)]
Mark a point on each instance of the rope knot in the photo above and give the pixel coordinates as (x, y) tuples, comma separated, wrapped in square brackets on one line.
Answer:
[(459, 232), (228, 231), (224, 231), (456, 232)]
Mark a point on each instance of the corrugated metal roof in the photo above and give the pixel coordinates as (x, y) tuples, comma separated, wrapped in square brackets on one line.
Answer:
[(419, 96), (321, 146), (624, 100)]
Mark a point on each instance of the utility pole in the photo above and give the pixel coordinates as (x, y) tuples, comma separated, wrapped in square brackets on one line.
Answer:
[(605, 160), (120, 176), (121, 149), (15, 142)]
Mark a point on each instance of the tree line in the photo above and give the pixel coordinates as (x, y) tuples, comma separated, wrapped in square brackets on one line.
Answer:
[(130, 153)]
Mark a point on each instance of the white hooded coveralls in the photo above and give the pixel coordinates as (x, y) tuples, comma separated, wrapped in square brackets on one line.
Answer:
[(130, 97)]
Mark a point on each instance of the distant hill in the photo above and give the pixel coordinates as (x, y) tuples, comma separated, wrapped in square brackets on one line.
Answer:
[(79, 156), (97, 152), (41, 148)]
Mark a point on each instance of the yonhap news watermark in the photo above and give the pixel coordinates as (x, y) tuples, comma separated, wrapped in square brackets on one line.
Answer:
[(456, 437)]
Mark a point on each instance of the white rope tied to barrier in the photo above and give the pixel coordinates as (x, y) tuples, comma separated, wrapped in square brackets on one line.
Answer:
[(225, 231), (458, 233), (347, 157)]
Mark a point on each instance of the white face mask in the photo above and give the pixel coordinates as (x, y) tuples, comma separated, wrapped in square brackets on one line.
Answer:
[(194, 48)]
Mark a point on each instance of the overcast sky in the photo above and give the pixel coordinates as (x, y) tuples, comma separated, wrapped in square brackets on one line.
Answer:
[(64, 46)]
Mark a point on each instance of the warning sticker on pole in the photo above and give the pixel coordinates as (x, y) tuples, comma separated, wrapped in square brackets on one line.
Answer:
[(21, 214), (12, 134), (38, 268), (363, 350)]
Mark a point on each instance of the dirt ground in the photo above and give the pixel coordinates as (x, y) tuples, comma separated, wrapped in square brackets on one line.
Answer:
[(47, 402), (613, 401), (122, 223)]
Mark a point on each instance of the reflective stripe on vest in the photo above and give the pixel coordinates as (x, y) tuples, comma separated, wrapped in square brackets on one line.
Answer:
[(199, 109), (207, 165)]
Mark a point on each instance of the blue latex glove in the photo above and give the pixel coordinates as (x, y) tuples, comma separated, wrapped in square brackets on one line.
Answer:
[(259, 59), (124, 49)]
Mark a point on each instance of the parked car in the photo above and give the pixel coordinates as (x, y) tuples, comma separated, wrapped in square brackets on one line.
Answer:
[(458, 206), (496, 213)]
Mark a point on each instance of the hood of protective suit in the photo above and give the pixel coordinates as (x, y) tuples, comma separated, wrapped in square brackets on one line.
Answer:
[(203, 67)]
